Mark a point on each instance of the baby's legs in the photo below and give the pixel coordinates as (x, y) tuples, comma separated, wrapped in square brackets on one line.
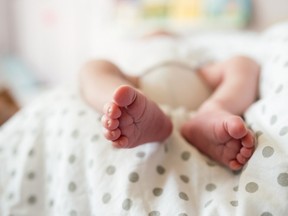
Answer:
[(129, 119), (216, 129)]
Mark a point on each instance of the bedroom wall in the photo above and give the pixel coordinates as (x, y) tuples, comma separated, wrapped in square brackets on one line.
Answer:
[(4, 42), (52, 32), (55, 37), (266, 12)]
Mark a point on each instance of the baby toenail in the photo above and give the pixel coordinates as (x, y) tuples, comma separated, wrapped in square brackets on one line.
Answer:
[(120, 143), (109, 110), (109, 123)]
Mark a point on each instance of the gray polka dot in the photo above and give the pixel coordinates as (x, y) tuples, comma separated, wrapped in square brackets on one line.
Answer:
[(234, 203), (160, 169), (95, 137), (273, 119), (182, 214), (73, 213), (133, 177), (185, 155), (75, 134), (106, 198), (31, 153), (157, 191), (258, 134), (267, 151), (32, 200), (51, 203), (127, 204), (210, 187), (72, 159), (72, 187), (279, 89), (211, 163), (266, 214), (13, 173), (140, 154), (15, 151), (110, 170), (166, 149), (251, 187), (10, 196), (184, 178), (154, 213), (208, 203), (283, 131), (283, 179), (236, 188), (183, 196), (31, 175), (99, 118), (82, 113)]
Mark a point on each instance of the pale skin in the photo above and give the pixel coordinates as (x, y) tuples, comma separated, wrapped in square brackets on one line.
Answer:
[(131, 119)]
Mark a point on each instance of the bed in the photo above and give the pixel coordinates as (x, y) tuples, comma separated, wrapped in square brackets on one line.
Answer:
[(54, 159)]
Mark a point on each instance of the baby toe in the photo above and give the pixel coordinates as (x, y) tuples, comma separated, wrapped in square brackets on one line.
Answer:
[(108, 123), (122, 142), (125, 95), (249, 140), (241, 159), (233, 147), (236, 127), (235, 165), (246, 152), (112, 135), (112, 110)]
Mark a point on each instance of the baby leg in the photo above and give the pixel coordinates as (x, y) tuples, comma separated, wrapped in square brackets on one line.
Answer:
[(217, 129)]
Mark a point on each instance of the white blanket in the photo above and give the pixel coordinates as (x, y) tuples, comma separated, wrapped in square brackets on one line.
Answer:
[(55, 161)]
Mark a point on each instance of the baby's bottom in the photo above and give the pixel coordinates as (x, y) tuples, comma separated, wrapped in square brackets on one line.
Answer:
[(132, 119)]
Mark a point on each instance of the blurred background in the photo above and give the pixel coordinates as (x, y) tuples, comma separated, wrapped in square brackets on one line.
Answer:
[(44, 43)]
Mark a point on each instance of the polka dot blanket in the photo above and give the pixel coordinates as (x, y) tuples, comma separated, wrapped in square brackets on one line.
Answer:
[(54, 160)]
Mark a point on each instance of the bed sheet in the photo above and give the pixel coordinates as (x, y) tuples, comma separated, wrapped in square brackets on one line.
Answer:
[(55, 161)]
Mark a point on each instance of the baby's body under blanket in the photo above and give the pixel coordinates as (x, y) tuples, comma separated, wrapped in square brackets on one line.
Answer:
[(55, 161)]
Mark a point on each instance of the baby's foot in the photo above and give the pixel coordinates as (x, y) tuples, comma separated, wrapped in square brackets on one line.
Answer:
[(221, 136), (132, 119)]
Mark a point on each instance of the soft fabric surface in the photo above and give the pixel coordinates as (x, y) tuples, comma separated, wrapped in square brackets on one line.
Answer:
[(55, 161)]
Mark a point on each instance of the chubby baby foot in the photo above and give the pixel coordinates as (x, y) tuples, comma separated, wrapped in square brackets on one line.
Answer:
[(221, 136), (131, 119)]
